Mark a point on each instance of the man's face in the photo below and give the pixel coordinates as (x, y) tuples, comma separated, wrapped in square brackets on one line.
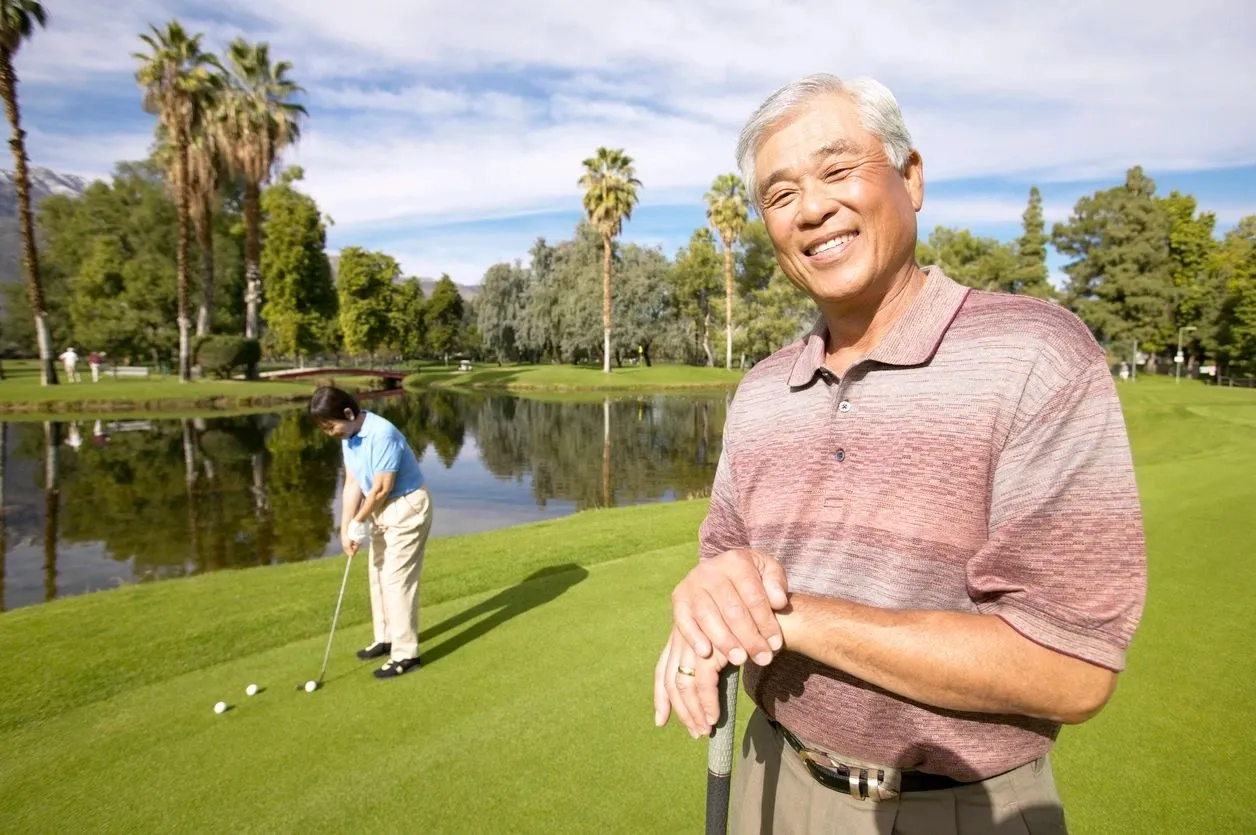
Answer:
[(841, 218), (339, 429)]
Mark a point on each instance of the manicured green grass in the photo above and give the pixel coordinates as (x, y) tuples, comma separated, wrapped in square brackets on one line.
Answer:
[(21, 393), (573, 377), (532, 712)]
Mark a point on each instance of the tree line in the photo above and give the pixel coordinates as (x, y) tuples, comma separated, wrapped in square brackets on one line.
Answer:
[(1145, 270)]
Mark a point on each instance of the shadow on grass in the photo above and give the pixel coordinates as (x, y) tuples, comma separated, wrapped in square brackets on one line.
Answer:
[(536, 589)]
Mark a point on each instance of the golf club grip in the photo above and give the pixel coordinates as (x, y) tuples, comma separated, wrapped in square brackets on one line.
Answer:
[(720, 753)]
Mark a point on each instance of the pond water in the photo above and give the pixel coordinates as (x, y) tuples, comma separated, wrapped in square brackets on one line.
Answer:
[(93, 504)]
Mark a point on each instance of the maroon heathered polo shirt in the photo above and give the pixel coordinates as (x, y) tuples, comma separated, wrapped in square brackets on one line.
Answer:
[(977, 461)]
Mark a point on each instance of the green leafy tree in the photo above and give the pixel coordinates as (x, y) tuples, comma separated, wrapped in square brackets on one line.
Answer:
[(18, 20), (776, 315), (409, 312), (727, 211), (444, 318), (1193, 252), (1121, 275), (644, 306), (259, 120), (301, 299), (1236, 317), (364, 284), (500, 310), (695, 279), (974, 261), (1031, 277), (756, 258), (177, 79), (610, 186)]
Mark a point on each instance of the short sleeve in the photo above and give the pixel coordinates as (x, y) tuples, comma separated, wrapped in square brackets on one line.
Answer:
[(722, 529), (386, 454), (1065, 562)]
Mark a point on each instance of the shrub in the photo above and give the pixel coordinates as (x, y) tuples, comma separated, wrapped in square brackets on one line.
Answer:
[(222, 355)]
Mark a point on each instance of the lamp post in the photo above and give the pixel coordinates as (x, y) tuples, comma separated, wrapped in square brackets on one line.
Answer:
[(1177, 360)]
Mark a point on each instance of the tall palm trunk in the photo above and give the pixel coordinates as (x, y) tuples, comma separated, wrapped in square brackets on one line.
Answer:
[(205, 240), (30, 258), (728, 303), (252, 259), (184, 250), (606, 303)]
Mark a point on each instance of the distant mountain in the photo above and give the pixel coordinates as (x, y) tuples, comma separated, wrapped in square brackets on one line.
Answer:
[(467, 291), (44, 184)]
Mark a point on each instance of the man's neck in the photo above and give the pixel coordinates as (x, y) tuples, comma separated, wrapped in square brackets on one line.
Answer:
[(855, 329)]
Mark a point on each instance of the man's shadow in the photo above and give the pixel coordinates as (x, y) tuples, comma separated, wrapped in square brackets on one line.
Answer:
[(537, 589)]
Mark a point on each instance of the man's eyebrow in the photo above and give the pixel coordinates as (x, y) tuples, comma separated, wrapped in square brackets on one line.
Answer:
[(837, 147)]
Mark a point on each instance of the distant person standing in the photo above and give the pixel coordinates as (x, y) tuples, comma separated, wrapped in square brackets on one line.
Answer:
[(93, 360), (383, 484), (70, 360)]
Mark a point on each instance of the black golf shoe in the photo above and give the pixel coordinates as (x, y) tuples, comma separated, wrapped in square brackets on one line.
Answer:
[(395, 668), (375, 650)]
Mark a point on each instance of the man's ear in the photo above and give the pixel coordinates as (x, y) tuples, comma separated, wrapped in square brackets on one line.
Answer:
[(914, 174), (348, 413)]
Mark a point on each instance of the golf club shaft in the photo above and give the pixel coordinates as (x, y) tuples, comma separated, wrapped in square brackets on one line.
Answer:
[(335, 617), (720, 754)]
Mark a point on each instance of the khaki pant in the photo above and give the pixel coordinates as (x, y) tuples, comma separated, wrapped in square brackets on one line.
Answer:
[(398, 537), (774, 793)]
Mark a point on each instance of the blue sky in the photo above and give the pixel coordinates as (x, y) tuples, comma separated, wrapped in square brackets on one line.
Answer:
[(450, 134)]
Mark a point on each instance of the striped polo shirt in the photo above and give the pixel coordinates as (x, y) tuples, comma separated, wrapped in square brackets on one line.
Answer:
[(976, 460)]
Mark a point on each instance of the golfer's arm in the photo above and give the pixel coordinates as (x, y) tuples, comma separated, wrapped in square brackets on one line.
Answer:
[(953, 660), (350, 499), (381, 485)]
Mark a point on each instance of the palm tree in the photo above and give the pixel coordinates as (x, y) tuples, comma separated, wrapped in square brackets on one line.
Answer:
[(18, 19), (177, 78), (726, 209), (205, 175), (205, 169), (610, 193), (259, 121)]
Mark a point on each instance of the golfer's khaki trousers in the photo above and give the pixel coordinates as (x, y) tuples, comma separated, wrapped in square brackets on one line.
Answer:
[(398, 537), (774, 794)]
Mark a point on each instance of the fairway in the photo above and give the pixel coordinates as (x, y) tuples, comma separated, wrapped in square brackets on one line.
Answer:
[(533, 713)]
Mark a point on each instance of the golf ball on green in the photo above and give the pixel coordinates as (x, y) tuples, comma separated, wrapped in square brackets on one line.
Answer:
[(311, 686), (220, 707), (251, 690)]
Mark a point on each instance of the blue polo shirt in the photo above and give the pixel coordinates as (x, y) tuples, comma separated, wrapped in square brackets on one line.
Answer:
[(379, 447)]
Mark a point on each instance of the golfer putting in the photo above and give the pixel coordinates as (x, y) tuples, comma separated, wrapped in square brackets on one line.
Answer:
[(384, 503)]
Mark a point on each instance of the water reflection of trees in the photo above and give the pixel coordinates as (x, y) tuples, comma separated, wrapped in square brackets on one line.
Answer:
[(652, 447), (189, 495), (174, 497)]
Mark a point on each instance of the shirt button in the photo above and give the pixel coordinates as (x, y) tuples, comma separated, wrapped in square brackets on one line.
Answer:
[(840, 455), (844, 406)]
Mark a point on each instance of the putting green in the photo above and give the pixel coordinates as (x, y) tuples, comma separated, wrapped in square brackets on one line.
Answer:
[(532, 712)]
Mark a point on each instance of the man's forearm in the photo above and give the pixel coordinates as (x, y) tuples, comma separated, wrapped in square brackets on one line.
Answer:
[(350, 500), (370, 501), (953, 660)]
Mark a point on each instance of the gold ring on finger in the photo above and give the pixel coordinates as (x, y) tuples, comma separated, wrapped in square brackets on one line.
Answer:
[(686, 671)]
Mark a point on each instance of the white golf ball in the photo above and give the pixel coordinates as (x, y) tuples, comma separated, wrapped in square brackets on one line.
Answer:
[(220, 707), (311, 686), (251, 690)]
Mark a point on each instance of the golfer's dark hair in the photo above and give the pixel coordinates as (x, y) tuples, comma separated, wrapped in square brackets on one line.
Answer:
[(329, 403)]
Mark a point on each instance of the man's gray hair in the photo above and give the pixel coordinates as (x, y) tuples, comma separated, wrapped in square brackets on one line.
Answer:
[(879, 114)]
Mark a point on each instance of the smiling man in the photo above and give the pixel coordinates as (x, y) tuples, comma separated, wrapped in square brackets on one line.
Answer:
[(924, 539)]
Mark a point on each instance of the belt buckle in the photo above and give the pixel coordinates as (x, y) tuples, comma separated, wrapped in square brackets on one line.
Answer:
[(875, 784)]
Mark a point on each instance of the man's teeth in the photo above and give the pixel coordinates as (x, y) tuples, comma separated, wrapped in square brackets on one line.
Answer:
[(829, 244)]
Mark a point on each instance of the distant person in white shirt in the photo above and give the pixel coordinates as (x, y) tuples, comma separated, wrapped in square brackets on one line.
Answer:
[(70, 360)]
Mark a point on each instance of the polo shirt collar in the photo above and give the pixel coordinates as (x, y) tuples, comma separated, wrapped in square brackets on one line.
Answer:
[(913, 338)]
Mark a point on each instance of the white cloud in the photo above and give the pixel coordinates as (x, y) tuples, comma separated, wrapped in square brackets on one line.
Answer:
[(423, 113)]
